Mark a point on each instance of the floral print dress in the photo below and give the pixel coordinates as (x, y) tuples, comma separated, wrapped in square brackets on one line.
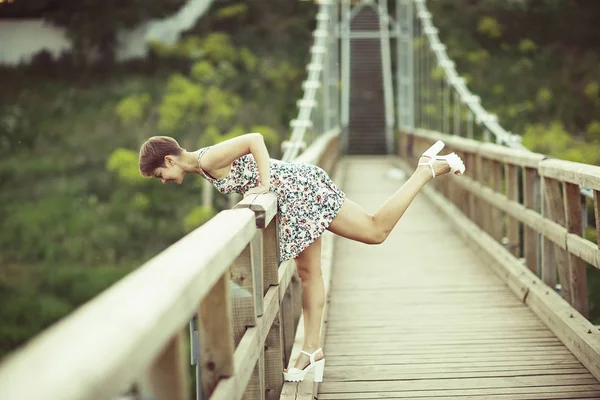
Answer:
[(307, 199)]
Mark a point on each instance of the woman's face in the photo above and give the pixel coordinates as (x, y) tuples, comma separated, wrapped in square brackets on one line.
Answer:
[(172, 172)]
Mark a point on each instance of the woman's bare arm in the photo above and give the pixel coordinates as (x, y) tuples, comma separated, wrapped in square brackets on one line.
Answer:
[(220, 156)]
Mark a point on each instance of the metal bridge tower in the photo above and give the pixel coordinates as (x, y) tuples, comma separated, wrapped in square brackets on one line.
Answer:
[(367, 85)]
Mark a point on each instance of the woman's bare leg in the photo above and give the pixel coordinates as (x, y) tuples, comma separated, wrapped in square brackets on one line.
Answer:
[(308, 264), (354, 223)]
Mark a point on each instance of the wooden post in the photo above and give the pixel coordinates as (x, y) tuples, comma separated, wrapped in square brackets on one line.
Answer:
[(449, 191), (273, 361), (168, 375), (479, 203), (597, 215), (530, 237), (472, 199), (265, 267), (553, 257), (577, 277), (483, 207), (207, 193), (216, 336), (296, 299), (270, 255), (256, 252), (463, 194), (512, 187), (497, 216), (244, 312), (248, 274), (274, 352), (286, 313), (410, 147), (402, 145), (256, 386)]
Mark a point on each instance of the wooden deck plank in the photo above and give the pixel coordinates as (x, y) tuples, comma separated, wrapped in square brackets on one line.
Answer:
[(441, 360), (558, 392), (454, 384), (421, 316), (342, 374)]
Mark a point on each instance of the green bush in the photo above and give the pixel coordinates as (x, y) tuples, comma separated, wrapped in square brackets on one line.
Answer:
[(25, 310), (217, 47), (437, 73), (248, 59), (233, 11), (133, 108), (592, 91), (478, 57), (593, 131), (544, 96), (490, 27), (270, 135), (527, 46), (198, 217), (124, 162), (555, 141), (204, 72), (181, 105)]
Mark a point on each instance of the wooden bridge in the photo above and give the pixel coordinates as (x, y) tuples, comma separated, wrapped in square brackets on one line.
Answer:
[(461, 301), (446, 308), (428, 315)]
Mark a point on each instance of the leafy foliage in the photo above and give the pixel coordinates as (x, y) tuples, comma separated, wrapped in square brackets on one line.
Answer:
[(197, 217), (132, 108), (490, 27), (527, 46), (549, 76), (72, 201)]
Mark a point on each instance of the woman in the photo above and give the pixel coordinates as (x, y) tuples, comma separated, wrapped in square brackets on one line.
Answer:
[(308, 203)]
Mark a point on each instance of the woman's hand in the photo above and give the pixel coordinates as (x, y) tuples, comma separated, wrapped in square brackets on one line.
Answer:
[(260, 189)]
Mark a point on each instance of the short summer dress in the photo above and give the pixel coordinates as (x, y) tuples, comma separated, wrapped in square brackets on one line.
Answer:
[(307, 199)]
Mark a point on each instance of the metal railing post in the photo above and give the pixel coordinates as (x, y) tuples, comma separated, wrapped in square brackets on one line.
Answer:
[(405, 102), (345, 36), (386, 65)]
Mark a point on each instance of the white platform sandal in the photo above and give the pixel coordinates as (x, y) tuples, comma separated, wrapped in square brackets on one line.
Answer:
[(297, 375), (453, 160)]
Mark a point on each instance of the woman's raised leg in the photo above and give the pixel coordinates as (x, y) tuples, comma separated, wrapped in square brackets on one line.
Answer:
[(308, 264), (354, 223)]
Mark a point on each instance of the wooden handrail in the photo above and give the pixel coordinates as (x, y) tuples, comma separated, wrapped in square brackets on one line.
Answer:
[(110, 340), (572, 172), (133, 331), (505, 189)]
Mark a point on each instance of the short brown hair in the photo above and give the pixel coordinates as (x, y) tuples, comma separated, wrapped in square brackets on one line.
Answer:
[(153, 152)]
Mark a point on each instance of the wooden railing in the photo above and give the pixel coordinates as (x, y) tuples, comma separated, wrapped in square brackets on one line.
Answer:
[(526, 213), (225, 273)]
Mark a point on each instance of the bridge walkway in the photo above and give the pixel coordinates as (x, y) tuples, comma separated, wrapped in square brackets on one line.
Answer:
[(422, 316)]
